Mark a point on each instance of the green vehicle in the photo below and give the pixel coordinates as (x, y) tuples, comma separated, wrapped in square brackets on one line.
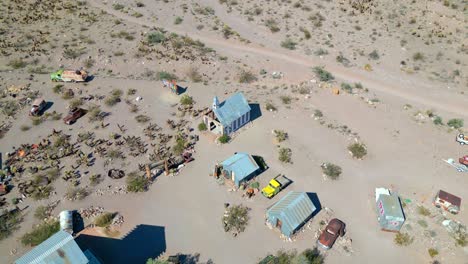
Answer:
[(275, 186), (69, 76)]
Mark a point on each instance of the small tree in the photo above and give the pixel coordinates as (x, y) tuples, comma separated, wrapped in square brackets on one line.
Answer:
[(224, 139), (202, 127), (235, 219), (357, 150), (331, 170)]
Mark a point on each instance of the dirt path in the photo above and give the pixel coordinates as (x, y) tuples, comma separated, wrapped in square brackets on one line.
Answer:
[(408, 91)]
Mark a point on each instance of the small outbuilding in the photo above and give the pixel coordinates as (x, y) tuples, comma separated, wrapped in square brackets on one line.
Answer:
[(227, 117), (60, 248), (447, 201), (291, 212), (238, 168), (389, 210)]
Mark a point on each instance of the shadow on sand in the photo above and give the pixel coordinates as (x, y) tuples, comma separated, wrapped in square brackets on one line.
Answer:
[(140, 244)]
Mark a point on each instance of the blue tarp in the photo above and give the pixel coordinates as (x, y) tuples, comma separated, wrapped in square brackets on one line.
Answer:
[(232, 109), (293, 210), (243, 166)]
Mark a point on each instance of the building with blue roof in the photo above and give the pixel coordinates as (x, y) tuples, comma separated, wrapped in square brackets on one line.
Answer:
[(60, 248), (227, 117), (291, 212), (239, 168)]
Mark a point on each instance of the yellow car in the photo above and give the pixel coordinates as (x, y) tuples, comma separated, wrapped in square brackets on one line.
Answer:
[(275, 186)]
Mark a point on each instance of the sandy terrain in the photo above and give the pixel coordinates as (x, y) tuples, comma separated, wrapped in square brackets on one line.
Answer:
[(405, 148)]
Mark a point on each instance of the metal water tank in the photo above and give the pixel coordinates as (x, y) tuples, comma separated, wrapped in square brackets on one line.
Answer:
[(66, 221)]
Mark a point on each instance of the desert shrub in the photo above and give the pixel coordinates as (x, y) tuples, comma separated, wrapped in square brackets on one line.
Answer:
[(180, 145), (433, 252), (358, 150), (285, 99), (114, 154), (89, 63), (9, 107), (272, 25), (403, 239), (247, 76), (418, 56), (288, 44), (202, 127), (374, 55), (331, 170), (142, 118), (422, 223), (461, 238), (284, 155), (73, 53), (186, 100), (41, 192), (194, 75), (95, 179), (308, 256), (236, 219), (347, 87), (57, 88), (104, 220), (75, 103), (41, 212), (118, 6), (113, 98), (137, 183), (76, 193), (224, 139), (162, 75), (17, 63), (24, 127), (156, 37), (178, 20), (9, 222), (318, 113), (323, 75), (280, 135), (94, 113), (40, 233), (321, 52), (306, 32), (37, 120), (455, 123), (270, 107), (423, 211)]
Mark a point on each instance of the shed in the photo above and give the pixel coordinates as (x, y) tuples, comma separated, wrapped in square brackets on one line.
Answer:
[(389, 212), (291, 212), (228, 116), (60, 248), (447, 201), (240, 167)]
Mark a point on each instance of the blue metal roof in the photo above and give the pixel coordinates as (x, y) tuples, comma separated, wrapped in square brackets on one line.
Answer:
[(232, 109), (242, 164), (60, 248), (292, 210)]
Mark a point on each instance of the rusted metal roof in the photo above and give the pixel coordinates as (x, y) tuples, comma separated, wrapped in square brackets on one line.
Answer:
[(455, 200)]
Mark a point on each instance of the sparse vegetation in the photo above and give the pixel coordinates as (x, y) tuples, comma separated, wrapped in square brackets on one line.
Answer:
[(104, 220), (308, 256), (331, 170), (403, 239), (224, 139), (374, 55), (17, 63), (186, 100), (433, 252), (285, 99), (156, 37), (202, 127), (272, 25), (455, 123), (357, 150), (9, 222), (423, 211), (323, 75), (142, 118), (178, 20), (136, 183), (236, 219), (76, 193), (162, 75), (113, 98), (247, 76), (57, 88), (194, 75), (40, 233), (418, 56), (280, 135), (41, 212), (270, 107), (288, 44)]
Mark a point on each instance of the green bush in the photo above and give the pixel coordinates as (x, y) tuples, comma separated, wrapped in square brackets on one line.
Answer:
[(347, 87), (403, 239), (272, 25), (288, 44), (180, 145), (358, 150), (374, 55), (40, 233), (323, 75), (142, 118), (202, 127), (104, 220), (270, 107), (9, 222), (156, 37), (331, 170), (178, 20), (280, 135), (41, 212), (224, 139), (285, 99), (162, 75), (236, 219), (433, 252), (247, 77), (438, 121), (308, 256), (57, 88), (284, 155), (186, 100), (137, 183), (17, 63), (455, 123), (76, 193)]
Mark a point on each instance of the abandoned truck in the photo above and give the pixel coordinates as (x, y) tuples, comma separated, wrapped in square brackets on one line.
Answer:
[(37, 107), (69, 76), (275, 186)]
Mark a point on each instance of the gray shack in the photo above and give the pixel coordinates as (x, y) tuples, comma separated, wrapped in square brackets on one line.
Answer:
[(389, 211)]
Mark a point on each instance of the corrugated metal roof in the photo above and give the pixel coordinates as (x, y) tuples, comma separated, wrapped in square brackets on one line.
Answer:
[(60, 248), (242, 164), (455, 200), (392, 206), (231, 109), (293, 209)]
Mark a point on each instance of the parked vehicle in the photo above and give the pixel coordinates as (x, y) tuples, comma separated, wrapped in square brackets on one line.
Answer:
[(37, 107), (69, 76), (447, 201), (462, 139), (334, 229), (464, 160), (73, 115), (275, 186)]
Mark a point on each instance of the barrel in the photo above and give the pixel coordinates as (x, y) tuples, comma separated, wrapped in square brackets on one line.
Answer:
[(66, 221)]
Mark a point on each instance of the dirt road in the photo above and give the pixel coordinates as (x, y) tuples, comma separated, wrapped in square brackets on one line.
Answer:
[(300, 65)]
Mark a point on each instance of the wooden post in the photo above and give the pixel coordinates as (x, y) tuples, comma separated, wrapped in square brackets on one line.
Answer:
[(148, 171), (166, 168)]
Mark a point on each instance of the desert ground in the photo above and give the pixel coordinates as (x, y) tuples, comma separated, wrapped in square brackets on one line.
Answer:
[(217, 48)]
